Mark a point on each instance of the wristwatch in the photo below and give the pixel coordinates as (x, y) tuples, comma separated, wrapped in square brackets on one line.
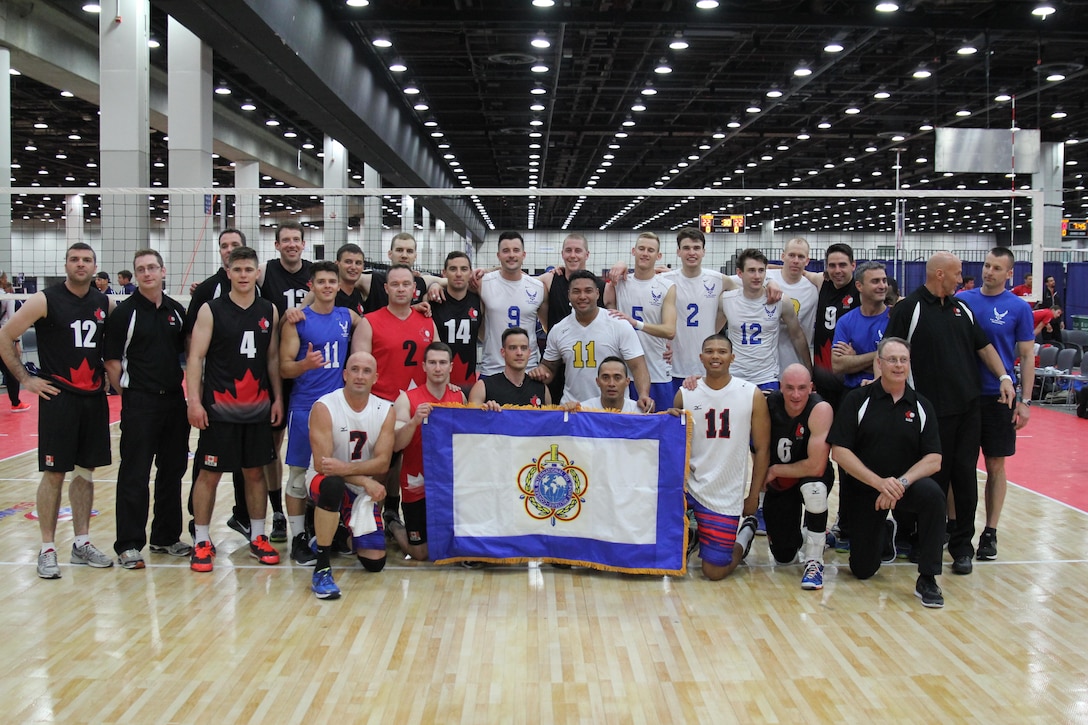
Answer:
[(903, 480)]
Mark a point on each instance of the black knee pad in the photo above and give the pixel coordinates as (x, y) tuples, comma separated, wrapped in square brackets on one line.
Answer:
[(330, 494), (372, 565)]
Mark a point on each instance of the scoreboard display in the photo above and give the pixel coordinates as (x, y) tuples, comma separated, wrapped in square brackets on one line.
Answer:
[(1075, 228), (727, 223)]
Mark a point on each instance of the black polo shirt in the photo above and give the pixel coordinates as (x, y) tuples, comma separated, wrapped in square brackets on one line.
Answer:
[(944, 342), (149, 342), (888, 437)]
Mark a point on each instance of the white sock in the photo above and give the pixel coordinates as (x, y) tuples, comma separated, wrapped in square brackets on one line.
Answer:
[(48, 546), (745, 536), (256, 528), (81, 540), (814, 546), (298, 524), (203, 533)]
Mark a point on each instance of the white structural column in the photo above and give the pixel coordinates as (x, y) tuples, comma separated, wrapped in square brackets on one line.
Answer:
[(193, 234), (124, 137), (408, 218), (73, 219), (6, 256), (1047, 179), (247, 207), (428, 250), (372, 214), (336, 206)]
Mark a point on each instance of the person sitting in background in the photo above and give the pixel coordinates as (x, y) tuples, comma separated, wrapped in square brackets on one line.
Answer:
[(102, 282)]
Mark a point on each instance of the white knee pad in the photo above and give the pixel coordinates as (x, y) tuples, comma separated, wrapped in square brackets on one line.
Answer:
[(87, 474), (815, 494), (296, 482)]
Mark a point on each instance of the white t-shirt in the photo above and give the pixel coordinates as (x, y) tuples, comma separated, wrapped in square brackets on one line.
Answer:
[(753, 327), (722, 422), (696, 314), (508, 304), (805, 298), (646, 297), (348, 426), (583, 348), (629, 406)]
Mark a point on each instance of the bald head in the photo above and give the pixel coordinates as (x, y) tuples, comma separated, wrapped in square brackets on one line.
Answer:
[(943, 274), (795, 374)]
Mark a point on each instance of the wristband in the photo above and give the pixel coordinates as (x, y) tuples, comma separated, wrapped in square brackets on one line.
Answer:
[(1005, 377), (639, 324)]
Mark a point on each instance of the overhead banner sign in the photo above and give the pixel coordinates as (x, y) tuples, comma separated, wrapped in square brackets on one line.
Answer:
[(595, 489)]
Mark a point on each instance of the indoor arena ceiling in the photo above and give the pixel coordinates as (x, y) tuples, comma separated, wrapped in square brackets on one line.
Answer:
[(633, 94)]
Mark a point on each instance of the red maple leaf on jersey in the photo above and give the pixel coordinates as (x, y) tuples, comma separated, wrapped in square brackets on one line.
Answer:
[(99, 314), (473, 314), (535, 401), (83, 377), (247, 391), (263, 324)]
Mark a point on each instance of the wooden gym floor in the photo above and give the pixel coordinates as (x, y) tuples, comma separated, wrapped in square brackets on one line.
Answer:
[(418, 643)]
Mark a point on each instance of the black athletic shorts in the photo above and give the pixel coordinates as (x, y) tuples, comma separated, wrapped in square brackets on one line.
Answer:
[(73, 430), (415, 521), (225, 447), (998, 431)]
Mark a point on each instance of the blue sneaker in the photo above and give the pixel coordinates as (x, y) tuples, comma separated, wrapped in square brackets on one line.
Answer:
[(761, 525), (323, 585), (842, 545), (814, 575)]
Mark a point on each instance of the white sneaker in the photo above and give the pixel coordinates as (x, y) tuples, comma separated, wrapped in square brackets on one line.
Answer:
[(89, 555), (48, 568)]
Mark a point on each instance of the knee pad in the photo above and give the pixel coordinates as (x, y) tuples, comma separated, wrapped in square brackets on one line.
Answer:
[(331, 493), (87, 474), (815, 495), (372, 565)]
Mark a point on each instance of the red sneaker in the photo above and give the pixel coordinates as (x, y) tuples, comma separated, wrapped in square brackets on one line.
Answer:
[(20, 408), (202, 557), (263, 551)]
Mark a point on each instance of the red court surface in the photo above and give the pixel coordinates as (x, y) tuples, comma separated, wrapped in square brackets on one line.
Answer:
[(1052, 456), (19, 431)]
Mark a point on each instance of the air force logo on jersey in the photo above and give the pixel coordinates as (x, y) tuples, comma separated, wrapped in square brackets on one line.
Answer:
[(999, 317), (710, 289), (656, 298), (552, 487), (771, 311), (531, 295), (345, 328)]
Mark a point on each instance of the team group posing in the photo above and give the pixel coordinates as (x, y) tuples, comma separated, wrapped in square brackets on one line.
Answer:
[(347, 364)]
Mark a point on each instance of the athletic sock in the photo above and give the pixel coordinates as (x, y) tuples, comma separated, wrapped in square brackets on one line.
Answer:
[(745, 536), (992, 530), (297, 524), (392, 507), (256, 528), (275, 498), (322, 559), (48, 546), (814, 546), (81, 540), (202, 533)]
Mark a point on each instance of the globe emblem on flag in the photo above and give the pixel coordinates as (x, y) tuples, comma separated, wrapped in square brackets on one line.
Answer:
[(552, 487)]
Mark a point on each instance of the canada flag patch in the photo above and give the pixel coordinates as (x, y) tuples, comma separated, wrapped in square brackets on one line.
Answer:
[(99, 314), (473, 314), (909, 416), (263, 324), (211, 461), (49, 461)]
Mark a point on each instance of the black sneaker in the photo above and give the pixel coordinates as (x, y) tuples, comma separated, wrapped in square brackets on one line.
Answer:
[(962, 565), (890, 527), (927, 590), (240, 527), (749, 522), (987, 546), (279, 528), (301, 553)]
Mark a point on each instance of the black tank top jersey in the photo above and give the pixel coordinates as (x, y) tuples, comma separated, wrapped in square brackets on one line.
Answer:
[(236, 385), (503, 392), (378, 298), (833, 304), (353, 302), (789, 436), (70, 338), (559, 298), (285, 289), (458, 323)]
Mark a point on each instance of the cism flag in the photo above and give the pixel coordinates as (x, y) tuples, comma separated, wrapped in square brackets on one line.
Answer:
[(595, 489)]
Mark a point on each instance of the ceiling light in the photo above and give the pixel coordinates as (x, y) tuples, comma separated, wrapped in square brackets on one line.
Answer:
[(963, 112), (803, 136), (152, 43), (540, 41), (718, 135), (430, 123), (678, 42), (852, 111), (397, 66), (421, 106), (663, 67), (248, 106), (357, 3), (382, 42), (833, 48), (1042, 10), (1002, 97), (926, 126), (753, 108), (882, 95), (538, 122), (540, 68), (774, 93), (639, 107), (802, 70), (271, 122), (706, 4), (411, 90), (13, 72), (922, 72), (41, 125), (67, 94), (543, 3), (222, 89), (823, 125), (966, 49), (1059, 113), (1055, 77), (537, 107), (887, 7), (628, 122), (290, 133), (74, 137), (733, 123), (91, 8), (621, 134), (649, 90)]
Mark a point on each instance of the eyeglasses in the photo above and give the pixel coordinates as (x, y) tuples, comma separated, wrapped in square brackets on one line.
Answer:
[(148, 268), (896, 360)]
